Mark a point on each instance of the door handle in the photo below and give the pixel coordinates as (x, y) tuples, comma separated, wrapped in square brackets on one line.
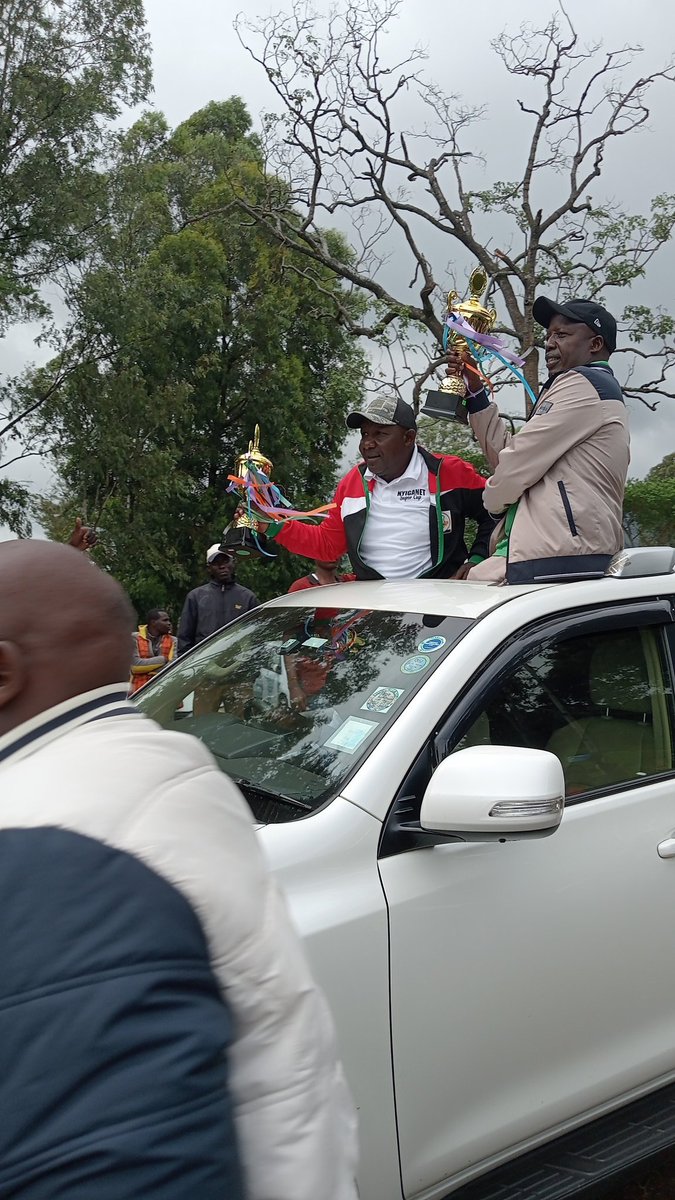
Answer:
[(666, 849)]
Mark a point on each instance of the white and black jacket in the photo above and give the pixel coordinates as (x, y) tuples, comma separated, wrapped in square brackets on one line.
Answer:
[(160, 1033)]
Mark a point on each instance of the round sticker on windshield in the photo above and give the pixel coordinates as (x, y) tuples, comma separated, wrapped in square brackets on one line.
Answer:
[(417, 663), (432, 643), (382, 699)]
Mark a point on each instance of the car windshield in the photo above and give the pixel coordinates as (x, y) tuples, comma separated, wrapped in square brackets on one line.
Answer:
[(290, 700)]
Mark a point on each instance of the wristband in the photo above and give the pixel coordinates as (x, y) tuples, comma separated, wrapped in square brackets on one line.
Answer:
[(477, 401)]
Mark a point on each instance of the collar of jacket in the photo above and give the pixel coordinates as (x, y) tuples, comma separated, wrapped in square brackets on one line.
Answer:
[(221, 586), (552, 378), (433, 462), (32, 735)]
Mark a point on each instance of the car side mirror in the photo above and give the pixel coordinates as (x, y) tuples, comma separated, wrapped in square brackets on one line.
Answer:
[(488, 792)]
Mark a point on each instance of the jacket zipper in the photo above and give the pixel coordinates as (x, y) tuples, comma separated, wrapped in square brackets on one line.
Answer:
[(439, 523), (366, 493), (568, 508)]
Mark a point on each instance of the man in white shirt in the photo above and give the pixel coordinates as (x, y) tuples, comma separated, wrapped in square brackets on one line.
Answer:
[(395, 539), (401, 512)]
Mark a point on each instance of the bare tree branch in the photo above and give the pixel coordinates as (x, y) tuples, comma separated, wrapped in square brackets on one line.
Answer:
[(340, 153)]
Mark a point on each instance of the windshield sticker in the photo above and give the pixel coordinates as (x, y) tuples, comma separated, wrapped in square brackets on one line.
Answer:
[(382, 699), (351, 733), (417, 663), (314, 643), (432, 643)]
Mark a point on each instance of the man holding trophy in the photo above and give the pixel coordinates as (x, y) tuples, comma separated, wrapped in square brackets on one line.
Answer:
[(399, 514), (558, 484)]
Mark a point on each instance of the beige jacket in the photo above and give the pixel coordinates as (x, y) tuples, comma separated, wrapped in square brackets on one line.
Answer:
[(567, 470)]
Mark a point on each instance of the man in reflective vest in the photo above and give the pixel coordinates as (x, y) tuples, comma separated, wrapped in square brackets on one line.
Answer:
[(153, 648)]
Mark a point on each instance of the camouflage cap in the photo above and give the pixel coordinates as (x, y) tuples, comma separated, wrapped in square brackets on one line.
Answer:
[(386, 409)]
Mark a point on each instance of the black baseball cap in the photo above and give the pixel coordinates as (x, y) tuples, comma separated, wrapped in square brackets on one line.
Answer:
[(585, 312), (384, 410)]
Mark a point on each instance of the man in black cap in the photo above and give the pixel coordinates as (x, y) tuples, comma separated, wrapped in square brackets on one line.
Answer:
[(558, 484), (400, 513)]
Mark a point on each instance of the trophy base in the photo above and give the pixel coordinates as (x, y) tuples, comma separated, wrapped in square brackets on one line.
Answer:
[(445, 406), (244, 543)]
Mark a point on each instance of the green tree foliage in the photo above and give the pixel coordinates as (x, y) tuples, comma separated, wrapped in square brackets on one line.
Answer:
[(196, 331), (447, 437), (66, 69), (649, 505)]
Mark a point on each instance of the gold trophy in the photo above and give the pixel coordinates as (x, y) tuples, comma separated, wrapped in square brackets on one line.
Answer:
[(447, 401), (244, 535)]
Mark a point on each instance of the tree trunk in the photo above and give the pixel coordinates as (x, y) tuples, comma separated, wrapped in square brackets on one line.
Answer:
[(531, 373)]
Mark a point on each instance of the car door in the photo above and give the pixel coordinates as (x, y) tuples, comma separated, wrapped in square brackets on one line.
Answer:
[(532, 981)]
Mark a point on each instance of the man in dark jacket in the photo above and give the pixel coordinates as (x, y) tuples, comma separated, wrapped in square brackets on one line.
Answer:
[(215, 604), (401, 513)]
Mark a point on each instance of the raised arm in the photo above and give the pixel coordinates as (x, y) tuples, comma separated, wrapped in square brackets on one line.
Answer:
[(325, 542), (489, 426), (491, 430)]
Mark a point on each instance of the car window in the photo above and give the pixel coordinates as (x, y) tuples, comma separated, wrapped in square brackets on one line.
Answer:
[(289, 700), (670, 638), (601, 702)]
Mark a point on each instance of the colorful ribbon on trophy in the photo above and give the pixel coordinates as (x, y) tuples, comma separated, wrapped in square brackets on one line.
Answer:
[(268, 499), (485, 346), (264, 499)]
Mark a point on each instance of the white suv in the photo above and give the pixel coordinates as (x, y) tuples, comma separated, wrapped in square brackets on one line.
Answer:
[(501, 971)]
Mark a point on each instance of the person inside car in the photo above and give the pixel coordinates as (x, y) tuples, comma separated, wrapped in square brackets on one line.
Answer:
[(558, 483), (401, 512)]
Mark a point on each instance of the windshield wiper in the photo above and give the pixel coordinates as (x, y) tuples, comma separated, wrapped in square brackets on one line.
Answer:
[(268, 794)]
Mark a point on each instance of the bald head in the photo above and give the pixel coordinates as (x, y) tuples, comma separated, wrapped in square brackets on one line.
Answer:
[(64, 629)]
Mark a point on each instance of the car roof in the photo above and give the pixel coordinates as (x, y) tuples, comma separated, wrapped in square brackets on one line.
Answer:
[(460, 598), (444, 597)]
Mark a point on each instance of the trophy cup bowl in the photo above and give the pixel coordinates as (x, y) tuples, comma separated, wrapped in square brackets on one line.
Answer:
[(447, 401), (244, 535)]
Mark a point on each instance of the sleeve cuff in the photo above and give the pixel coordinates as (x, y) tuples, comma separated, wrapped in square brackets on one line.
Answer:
[(274, 528), (478, 401), (476, 559)]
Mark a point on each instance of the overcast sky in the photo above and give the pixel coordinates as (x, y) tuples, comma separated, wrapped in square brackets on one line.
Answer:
[(197, 58)]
